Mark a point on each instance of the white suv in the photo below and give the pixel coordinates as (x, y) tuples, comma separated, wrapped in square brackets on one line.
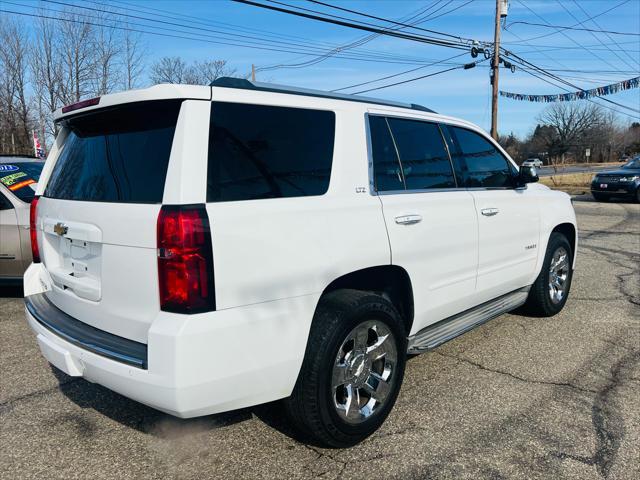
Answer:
[(202, 249)]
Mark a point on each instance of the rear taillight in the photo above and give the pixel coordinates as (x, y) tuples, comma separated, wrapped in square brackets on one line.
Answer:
[(35, 251), (185, 259)]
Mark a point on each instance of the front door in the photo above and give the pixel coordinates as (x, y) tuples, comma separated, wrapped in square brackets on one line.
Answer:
[(432, 225), (508, 217)]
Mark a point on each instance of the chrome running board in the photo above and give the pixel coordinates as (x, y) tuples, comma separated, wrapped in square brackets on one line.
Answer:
[(443, 331)]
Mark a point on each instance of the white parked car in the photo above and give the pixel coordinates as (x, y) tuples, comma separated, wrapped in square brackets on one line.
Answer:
[(532, 162), (202, 249)]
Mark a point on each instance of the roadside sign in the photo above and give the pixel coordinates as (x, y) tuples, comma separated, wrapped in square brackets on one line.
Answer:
[(587, 152)]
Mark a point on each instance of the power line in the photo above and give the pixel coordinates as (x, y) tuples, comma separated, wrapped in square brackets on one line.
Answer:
[(355, 43), (417, 78), (397, 74), (360, 26), (300, 49), (383, 19), (590, 18), (565, 27), (138, 17), (565, 35), (608, 36), (593, 34)]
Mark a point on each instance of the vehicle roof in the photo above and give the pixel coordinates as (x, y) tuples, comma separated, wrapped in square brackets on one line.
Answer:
[(19, 159), (237, 88), (244, 84)]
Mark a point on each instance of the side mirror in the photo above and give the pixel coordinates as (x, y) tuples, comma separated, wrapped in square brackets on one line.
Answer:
[(527, 175)]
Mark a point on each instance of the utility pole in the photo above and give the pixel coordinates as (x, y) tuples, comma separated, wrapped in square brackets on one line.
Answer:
[(253, 72), (495, 69)]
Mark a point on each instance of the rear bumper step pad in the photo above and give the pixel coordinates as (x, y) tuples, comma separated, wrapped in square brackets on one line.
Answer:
[(85, 336)]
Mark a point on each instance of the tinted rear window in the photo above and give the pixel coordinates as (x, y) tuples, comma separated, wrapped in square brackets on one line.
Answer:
[(258, 151), (21, 178), (116, 155)]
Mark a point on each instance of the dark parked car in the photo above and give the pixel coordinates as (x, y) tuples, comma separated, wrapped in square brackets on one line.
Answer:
[(624, 182)]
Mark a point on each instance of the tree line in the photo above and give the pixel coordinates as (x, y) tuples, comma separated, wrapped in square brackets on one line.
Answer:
[(567, 131), (56, 63)]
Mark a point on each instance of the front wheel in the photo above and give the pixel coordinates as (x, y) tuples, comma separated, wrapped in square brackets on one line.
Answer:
[(352, 370), (550, 291)]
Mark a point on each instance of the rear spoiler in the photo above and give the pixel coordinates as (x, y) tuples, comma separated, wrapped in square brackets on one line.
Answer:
[(165, 91)]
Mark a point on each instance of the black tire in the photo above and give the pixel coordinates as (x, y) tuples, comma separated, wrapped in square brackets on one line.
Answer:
[(539, 302), (638, 195), (599, 197), (311, 407)]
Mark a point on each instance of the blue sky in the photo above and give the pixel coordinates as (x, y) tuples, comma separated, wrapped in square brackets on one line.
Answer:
[(462, 93)]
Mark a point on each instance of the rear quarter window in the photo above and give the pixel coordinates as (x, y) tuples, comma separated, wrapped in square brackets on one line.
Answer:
[(258, 151), (119, 154)]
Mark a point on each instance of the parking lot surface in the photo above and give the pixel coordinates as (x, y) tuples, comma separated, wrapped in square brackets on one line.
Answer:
[(519, 397)]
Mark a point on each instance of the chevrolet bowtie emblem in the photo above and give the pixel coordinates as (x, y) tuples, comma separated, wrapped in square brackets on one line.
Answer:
[(60, 228)]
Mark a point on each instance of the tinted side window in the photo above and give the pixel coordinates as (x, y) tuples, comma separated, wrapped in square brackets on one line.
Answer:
[(425, 162), (258, 151), (117, 154), (386, 166), (480, 163)]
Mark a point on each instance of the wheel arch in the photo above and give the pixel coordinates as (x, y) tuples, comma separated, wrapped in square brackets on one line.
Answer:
[(390, 281), (569, 231)]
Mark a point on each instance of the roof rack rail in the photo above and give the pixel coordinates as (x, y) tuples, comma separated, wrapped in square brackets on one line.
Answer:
[(244, 84)]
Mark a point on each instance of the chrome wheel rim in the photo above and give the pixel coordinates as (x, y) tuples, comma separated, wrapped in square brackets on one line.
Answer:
[(558, 275), (364, 371)]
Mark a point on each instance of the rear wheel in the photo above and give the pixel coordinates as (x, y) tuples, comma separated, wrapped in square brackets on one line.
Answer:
[(550, 291), (352, 370)]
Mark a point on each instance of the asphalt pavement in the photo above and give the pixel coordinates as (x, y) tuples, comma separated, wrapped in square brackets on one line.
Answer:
[(517, 398)]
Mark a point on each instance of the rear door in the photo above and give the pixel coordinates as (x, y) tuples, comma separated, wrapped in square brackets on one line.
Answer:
[(509, 217), (432, 224), (98, 215)]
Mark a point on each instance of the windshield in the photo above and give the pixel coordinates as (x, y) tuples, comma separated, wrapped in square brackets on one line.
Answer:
[(635, 163), (21, 178)]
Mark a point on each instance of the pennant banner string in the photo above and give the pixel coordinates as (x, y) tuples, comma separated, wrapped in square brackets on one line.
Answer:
[(580, 95)]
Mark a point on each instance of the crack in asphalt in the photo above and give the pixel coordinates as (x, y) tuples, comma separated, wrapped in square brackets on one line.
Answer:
[(8, 405), (517, 377), (608, 422), (608, 254), (343, 463)]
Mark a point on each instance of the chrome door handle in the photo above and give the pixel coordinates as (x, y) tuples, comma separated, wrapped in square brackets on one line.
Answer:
[(408, 219), (489, 212)]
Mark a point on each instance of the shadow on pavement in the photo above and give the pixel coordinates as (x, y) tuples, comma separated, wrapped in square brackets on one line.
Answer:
[(135, 415)]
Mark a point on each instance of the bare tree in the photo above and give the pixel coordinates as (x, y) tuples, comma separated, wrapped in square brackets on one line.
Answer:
[(569, 122), (75, 48), (15, 115), (133, 53), (106, 50), (203, 73), (176, 70), (46, 73), (168, 70)]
